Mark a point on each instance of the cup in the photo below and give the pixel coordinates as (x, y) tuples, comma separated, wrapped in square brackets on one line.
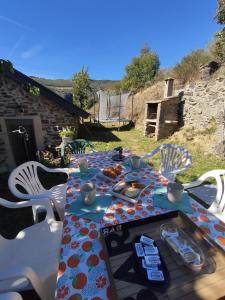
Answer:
[(174, 191), (135, 162), (88, 193), (83, 165)]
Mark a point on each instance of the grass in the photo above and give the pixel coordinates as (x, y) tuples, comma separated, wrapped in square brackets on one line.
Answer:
[(134, 140)]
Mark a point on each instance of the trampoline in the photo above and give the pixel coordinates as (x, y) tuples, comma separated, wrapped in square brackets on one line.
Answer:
[(112, 108)]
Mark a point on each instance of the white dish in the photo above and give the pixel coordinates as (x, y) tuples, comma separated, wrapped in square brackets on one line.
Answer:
[(132, 177)]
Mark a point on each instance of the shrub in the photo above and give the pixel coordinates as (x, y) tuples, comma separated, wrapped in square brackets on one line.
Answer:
[(188, 68)]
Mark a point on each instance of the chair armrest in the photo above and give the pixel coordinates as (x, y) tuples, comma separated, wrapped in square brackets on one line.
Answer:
[(213, 174), (192, 184), (10, 296), (88, 143), (18, 272), (153, 152), (56, 170), (33, 202)]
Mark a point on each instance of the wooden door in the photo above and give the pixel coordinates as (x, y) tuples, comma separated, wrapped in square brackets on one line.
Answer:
[(22, 139)]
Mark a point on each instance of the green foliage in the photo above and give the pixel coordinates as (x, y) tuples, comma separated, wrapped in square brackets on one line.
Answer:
[(82, 90), (217, 48), (33, 90), (141, 70), (188, 68), (220, 15), (6, 66), (67, 132)]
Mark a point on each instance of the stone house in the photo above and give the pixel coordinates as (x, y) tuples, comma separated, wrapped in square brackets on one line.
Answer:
[(25, 102)]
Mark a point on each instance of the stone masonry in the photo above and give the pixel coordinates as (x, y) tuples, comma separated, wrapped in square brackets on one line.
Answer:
[(16, 102), (203, 105)]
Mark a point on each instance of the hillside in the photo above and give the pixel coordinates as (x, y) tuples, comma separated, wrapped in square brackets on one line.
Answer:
[(63, 86)]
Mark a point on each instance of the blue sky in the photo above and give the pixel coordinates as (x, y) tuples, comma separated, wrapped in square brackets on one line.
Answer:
[(55, 38)]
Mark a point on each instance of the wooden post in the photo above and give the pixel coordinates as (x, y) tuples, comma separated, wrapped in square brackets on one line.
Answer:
[(119, 109), (109, 105), (132, 106), (98, 106), (94, 108)]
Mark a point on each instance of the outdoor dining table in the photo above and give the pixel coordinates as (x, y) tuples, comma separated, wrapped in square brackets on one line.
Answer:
[(82, 271)]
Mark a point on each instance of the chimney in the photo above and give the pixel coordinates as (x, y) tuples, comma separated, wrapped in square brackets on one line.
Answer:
[(168, 91)]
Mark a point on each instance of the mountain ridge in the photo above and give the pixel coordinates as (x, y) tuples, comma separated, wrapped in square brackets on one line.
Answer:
[(65, 86)]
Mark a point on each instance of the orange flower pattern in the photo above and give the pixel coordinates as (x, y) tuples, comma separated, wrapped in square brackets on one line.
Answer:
[(82, 270)]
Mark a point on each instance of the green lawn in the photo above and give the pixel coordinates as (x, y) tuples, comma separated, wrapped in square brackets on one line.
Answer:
[(134, 140)]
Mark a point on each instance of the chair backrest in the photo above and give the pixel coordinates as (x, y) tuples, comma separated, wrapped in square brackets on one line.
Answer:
[(174, 159), (26, 176), (78, 147)]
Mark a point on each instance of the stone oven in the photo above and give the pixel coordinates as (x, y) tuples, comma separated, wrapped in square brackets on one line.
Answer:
[(161, 116)]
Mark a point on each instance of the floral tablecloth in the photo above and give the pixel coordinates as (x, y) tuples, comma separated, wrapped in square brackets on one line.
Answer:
[(82, 271)]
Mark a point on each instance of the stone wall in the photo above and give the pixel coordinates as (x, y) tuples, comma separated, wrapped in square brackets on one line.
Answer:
[(203, 107), (16, 102)]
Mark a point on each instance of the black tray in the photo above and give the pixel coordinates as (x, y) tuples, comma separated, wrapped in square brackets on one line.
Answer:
[(126, 279)]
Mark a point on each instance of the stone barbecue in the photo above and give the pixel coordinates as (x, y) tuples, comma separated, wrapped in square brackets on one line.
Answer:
[(161, 116)]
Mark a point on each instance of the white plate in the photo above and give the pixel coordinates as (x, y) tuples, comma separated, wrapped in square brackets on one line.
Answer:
[(132, 177)]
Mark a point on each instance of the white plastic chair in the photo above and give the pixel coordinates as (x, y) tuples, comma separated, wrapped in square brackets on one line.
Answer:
[(174, 160), (30, 261), (26, 176), (10, 296), (217, 206)]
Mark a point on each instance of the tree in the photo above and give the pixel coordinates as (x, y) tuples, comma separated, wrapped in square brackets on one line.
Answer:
[(220, 14), (141, 70), (82, 90), (217, 48), (188, 68)]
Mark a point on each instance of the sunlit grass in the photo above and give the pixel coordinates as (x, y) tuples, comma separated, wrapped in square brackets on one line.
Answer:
[(135, 141)]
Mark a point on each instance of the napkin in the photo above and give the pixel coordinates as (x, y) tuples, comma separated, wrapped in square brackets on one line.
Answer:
[(85, 175), (161, 200), (78, 207)]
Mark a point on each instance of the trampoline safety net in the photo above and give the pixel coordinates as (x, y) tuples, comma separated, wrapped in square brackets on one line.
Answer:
[(112, 108)]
